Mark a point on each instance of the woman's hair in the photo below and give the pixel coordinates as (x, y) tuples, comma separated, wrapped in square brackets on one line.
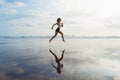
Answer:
[(58, 19)]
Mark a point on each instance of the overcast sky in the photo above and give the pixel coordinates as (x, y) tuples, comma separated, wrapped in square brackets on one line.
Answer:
[(80, 17)]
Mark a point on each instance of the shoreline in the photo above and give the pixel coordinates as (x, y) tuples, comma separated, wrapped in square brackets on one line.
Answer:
[(67, 37)]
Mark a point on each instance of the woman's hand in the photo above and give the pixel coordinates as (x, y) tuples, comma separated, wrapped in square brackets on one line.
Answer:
[(62, 24), (52, 28)]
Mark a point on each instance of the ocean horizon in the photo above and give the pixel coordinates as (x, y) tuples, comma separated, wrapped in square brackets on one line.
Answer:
[(66, 36)]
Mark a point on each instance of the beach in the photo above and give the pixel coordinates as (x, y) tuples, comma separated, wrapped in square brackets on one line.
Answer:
[(83, 59)]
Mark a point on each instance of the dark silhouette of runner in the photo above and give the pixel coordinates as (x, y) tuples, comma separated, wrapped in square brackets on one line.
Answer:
[(59, 65)]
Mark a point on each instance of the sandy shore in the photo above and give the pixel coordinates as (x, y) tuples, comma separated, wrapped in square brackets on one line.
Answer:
[(86, 59)]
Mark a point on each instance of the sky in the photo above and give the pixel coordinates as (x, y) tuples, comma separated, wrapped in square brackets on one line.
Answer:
[(80, 17)]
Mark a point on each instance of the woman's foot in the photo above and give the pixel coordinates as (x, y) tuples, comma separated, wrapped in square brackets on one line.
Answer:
[(49, 41), (63, 40)]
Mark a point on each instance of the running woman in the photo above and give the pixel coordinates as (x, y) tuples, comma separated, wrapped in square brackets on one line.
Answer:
[(59, 24)]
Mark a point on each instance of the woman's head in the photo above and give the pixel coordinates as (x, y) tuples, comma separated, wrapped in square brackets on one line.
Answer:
[(58, 20)]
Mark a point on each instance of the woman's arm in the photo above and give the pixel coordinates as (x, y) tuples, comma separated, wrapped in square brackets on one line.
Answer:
[(54, 66), (62, 24), (53, 25)]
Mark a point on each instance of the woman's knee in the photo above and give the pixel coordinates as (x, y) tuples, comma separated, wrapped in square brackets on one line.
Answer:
[(62, 34)]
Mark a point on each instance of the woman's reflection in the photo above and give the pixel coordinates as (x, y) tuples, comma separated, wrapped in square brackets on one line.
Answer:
[(59, 65)]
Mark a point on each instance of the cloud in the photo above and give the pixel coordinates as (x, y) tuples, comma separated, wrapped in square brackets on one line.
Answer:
[(18, 4), (14, 4), (13, 11), (10, 7), (87, 6), (117, 77), (80, 58), (88, 13), (113, 53), (28, 14), (110, 65), (113, 22), (88, 17)]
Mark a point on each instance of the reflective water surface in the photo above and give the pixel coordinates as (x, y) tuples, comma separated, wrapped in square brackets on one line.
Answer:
[(77, 59)]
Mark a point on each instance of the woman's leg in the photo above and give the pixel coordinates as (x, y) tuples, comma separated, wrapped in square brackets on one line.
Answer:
[(56, 58), (62, 36), (61, 56), (53, 36)]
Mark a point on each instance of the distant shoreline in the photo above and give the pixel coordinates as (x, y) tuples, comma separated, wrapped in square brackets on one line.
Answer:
[(68, 37)]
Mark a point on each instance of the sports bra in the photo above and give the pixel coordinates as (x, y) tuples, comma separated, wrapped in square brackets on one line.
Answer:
[(59, 25)]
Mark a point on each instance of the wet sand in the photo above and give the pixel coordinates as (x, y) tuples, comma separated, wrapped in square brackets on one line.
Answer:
[(83, 59)]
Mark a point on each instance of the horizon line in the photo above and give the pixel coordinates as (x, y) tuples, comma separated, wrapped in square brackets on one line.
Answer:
[(67, 36)]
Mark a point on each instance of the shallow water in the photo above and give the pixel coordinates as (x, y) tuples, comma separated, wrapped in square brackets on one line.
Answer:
[(77, 59)]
